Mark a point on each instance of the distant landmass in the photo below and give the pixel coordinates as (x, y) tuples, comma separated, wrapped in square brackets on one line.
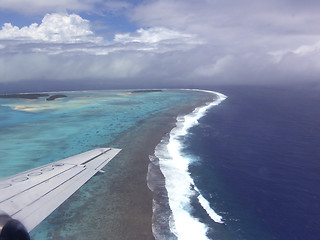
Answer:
[(33, 96), (24, 95), (53, 97), (146, 91)]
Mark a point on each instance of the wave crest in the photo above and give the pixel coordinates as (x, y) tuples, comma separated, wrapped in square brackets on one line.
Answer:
[(179, 185)]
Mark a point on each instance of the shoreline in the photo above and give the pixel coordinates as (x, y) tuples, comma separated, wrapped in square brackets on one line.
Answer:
[(178, 184), (164, 224), (136, 159)]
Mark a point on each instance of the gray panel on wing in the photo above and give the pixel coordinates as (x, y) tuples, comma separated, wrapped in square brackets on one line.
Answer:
[(32, 195)]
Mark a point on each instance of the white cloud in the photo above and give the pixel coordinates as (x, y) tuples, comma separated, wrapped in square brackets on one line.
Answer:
[(307, 49), (67, 43), (302, 51), (56, 28), (158, 39), (71, 34), (156, 35)]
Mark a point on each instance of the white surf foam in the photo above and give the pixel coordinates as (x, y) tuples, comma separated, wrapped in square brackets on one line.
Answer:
[(179, 183), (206, 205)]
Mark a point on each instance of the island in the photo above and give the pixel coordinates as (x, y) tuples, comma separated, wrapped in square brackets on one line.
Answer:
[(146, 91), (53, 97), (33, 96), (24, 95)]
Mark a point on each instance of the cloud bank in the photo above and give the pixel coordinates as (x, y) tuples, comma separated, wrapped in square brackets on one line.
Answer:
[(176, 43), (63, 47)]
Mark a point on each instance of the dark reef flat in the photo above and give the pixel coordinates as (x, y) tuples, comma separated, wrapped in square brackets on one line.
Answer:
[(33, 96), (146, 91), (53, 97), (24, 95)]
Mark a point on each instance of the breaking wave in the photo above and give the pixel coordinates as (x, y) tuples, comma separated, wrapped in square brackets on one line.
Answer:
[(174, 187)]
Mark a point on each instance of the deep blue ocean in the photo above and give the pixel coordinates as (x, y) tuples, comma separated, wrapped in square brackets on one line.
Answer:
[(258, 163)]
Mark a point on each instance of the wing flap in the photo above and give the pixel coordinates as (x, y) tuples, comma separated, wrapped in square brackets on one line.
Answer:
[(32, 179), (24, 198)]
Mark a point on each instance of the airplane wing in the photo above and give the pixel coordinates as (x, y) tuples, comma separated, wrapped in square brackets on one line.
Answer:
[(31, 196)]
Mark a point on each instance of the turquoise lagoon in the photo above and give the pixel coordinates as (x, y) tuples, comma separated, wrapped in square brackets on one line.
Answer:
[(37, 132)]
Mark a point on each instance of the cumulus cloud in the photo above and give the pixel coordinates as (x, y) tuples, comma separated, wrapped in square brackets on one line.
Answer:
[(71, 28), (53, 28), (155, 35), (63, 47)]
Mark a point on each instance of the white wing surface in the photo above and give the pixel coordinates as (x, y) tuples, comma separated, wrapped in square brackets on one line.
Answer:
[(31, 196)]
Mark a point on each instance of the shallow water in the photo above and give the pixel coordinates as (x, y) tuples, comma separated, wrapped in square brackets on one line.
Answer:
[(36, 132), (47, 131)]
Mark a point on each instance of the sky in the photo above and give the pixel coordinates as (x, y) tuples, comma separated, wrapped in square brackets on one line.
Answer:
[(66, 44)]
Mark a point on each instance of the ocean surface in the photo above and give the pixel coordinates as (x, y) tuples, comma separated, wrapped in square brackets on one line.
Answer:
[(244, 165), (253, 167)]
